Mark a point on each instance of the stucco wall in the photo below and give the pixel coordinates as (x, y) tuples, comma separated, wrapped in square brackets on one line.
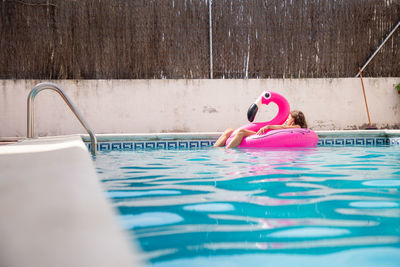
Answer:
[(148, 106)]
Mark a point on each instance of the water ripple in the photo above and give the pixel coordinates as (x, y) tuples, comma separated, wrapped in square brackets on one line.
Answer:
[(213, 202)]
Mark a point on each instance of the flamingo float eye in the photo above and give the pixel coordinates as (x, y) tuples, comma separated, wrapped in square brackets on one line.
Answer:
[(267, 95)]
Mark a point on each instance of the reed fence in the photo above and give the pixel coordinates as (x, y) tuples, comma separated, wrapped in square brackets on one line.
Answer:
[(155, 39)]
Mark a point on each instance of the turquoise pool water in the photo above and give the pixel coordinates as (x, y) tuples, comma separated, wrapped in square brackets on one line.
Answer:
[(325, 206)]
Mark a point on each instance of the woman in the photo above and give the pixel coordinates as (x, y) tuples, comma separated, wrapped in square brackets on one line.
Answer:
[(296, 119)]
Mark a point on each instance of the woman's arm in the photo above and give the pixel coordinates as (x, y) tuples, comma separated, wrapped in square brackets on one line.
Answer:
[(275, 127)]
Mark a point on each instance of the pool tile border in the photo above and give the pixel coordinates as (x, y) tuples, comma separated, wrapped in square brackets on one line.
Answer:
[(144, 145), (356, 141), (195, 144), (131, 142)]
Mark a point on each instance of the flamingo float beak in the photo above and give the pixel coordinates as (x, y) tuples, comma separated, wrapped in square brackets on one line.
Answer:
[(251, 113)]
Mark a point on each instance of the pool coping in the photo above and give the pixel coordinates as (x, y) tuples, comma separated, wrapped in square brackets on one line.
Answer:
[(54, 211), (215, 135)]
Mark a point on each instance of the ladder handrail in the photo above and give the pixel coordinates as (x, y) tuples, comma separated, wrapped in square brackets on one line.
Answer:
[(52, 86)]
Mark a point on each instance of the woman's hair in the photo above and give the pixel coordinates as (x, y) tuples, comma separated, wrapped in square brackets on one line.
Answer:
[(299, 118)]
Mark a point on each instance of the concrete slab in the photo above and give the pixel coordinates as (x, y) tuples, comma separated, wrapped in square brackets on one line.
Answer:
[(53, 211)]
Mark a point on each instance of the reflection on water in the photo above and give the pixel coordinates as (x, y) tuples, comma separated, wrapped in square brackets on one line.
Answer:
[(188, 207)]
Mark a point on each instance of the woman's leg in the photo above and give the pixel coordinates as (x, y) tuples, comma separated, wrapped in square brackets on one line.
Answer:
[(239, 137), (222, 139)]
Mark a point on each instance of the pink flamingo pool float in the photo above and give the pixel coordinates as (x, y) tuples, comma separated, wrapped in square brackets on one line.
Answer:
[(293, 137)]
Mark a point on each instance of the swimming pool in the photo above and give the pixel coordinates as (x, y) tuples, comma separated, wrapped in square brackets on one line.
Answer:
[(331, 206)]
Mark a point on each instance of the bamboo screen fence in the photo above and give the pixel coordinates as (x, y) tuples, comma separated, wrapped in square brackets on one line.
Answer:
[(155, 39)]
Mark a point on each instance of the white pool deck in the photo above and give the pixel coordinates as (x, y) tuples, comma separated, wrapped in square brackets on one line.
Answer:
[(53, 209)]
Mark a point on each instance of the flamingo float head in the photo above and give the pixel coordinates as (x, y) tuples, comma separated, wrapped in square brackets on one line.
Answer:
[(265, 98)]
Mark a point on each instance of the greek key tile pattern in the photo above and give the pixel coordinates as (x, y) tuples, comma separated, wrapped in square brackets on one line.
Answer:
[(355, 141), (194, 144), (143, 145)]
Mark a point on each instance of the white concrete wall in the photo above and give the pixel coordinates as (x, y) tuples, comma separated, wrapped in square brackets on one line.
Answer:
[(148, 106)]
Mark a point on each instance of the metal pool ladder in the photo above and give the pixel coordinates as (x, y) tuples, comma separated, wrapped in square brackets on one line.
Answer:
[(52, 86)]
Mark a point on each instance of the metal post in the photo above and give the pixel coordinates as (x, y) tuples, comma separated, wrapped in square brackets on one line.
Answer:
[(211, 51), (379, 48)]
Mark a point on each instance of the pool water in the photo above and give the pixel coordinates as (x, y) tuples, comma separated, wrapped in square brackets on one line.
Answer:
[(324, 206)]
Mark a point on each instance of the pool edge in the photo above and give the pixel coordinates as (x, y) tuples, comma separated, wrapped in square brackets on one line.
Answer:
[(110, 142), (54, 211)]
